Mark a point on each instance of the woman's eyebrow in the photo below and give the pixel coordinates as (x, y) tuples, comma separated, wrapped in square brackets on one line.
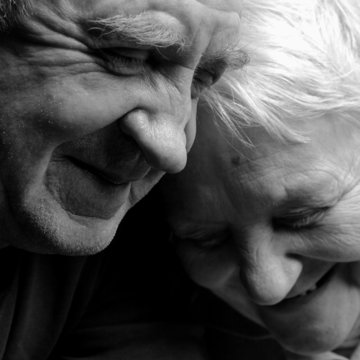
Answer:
[(314, 193)]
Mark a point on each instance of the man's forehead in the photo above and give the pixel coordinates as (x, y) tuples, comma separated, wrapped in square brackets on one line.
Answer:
[(181, 9), (144, 5), (222, 5)]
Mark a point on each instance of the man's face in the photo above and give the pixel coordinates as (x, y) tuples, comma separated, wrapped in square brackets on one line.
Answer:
[(273, 229), (98, 100)]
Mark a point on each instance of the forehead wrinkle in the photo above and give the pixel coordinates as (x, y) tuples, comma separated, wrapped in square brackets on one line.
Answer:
[(253, 180), (312, 188), (141, 29)]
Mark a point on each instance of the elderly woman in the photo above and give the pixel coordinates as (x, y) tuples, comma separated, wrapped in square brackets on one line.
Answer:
[(267, 215)]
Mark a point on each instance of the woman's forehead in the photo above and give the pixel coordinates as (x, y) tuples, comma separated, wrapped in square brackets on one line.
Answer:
[(227, 163)]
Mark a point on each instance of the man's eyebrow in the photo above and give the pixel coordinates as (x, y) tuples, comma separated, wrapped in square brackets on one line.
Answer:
[(141, 30), (144, 31), (228, 58)]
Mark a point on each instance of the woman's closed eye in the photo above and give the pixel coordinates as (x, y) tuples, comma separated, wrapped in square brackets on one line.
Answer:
[(204, 240), (300, 219)]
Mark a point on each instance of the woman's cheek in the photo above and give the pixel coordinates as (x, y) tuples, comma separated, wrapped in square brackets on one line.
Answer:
[(354, 273), (341, 241), (207, 268), (335, 240)]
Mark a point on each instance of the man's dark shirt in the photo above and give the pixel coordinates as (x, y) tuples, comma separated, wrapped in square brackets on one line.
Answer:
[(128, 302)]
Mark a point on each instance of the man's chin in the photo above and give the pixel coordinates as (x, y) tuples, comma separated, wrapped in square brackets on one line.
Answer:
[(66, 217), (45, 227)]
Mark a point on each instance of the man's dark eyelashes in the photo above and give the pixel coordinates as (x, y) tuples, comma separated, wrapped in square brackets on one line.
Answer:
[(204, 77), (125, 61), (136, 61), (298, 220), (202, 80)]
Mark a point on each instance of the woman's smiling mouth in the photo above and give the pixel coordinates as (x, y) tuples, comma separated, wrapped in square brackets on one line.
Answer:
[(298, 299)]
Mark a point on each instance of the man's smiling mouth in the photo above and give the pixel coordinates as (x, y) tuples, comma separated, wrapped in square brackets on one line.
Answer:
[(82, 189), (109, 177)]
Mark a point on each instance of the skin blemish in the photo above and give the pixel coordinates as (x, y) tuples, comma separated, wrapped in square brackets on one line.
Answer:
[(235, 161)]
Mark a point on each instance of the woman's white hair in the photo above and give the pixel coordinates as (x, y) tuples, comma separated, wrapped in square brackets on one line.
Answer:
[(303, 63)]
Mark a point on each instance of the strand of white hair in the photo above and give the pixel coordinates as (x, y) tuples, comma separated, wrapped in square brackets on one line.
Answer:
[(303, 63)]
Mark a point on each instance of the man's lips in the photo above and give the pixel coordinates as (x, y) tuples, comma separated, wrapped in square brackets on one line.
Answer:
[(86, 190), (111, 176)]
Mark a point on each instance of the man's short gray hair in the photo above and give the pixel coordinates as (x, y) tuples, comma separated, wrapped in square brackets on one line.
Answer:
[(304, 63)]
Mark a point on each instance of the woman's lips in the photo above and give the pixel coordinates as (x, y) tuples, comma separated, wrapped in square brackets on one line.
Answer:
[(299, 291), (305, 295)]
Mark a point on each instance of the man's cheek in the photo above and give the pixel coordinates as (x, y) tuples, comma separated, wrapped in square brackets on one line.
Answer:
[(75, 109)]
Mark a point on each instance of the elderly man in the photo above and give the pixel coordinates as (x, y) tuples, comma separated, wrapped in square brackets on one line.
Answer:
[(97, 100)]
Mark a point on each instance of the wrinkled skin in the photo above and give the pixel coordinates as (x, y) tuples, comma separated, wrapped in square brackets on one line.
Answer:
[(260, 226), (87, 124)]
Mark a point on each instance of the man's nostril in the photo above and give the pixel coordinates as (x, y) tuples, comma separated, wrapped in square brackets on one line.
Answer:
[(161, 139)]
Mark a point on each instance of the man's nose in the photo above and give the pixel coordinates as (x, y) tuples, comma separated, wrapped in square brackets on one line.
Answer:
[(164, 139), (267, 270)]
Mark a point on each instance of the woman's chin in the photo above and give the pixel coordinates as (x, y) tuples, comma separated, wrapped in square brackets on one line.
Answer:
[(312, 343), (319, 322)]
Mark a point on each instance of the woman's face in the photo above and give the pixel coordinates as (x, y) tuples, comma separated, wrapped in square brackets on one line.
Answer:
[(274, 229)]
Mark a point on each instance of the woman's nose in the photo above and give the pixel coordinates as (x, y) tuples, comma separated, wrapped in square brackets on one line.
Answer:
[(267, 271), (164, 139)]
